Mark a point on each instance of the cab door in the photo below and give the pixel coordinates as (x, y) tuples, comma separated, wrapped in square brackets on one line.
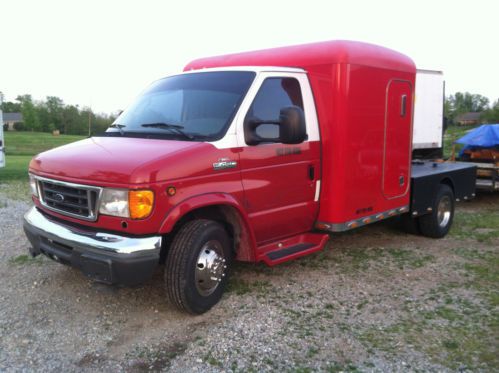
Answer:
[(280, 181), (398, 139)]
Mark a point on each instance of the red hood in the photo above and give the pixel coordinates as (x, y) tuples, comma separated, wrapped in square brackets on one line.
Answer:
[(126, 160)]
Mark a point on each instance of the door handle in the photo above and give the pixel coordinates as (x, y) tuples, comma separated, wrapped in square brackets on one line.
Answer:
[(311, 172), (403, 105), (401, 180)]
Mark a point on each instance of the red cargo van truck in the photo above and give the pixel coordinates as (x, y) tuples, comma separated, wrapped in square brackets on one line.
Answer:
[(256, 156)]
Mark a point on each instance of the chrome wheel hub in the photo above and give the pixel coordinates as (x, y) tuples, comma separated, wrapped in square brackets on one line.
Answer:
[(210, 267), (444, 211)]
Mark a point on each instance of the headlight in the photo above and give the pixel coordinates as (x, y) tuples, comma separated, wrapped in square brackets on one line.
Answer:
[(114, 202), (33, 185), (135, 204)]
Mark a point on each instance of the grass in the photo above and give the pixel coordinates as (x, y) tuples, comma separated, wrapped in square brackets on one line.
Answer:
[(31, 143), (17, 190), (360, 259), (20, 149), (337, 368), (446, 338), (408, 258), (157, 358), (447, 327), (240, 287), (16, 168), (22, 260), (451, 324), (212, 360), (14, 178), (481, 226)]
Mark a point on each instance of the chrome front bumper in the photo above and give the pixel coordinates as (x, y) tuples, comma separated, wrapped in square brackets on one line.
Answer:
[(105, 257)]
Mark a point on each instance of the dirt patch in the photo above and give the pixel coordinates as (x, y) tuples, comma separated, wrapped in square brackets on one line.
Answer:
[(375, 300)]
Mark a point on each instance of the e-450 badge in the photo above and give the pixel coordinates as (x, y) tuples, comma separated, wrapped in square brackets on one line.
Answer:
[(224, 163)]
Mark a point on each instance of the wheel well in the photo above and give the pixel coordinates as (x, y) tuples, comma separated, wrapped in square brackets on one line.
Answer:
[(447, 181), (227, 216)]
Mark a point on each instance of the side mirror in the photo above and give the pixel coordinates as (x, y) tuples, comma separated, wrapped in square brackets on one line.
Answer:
[(292, 128)]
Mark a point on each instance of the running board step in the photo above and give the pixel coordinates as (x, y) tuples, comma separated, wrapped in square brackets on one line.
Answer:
[(291, 248), (278, 254)]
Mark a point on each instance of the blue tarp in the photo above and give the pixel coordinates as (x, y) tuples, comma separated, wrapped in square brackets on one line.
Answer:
[(485, 136)]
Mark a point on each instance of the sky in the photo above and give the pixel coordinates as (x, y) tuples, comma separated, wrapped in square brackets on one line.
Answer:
[(103, 53)]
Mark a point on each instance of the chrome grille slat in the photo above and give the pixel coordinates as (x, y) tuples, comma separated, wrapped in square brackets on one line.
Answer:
[(69, 204), (76, 200), (65, 192), (67, 209), (67, 198)]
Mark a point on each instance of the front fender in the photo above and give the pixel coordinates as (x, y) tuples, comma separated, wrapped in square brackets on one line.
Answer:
[(247, 240)]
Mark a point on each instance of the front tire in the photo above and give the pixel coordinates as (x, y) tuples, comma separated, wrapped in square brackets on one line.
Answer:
[(197, 265), (438, 222)]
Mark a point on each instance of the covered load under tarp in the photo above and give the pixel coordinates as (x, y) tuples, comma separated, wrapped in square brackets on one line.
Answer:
[(485, 136), (482, 149), (480, 143)]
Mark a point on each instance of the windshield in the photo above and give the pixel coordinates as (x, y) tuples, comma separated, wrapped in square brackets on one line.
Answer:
[(198, 106)]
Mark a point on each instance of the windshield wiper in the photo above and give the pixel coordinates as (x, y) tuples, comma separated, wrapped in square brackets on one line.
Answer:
[(167, 126), (119, 127)]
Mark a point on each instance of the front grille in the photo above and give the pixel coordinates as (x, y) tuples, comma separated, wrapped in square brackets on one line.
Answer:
[(69, 199)]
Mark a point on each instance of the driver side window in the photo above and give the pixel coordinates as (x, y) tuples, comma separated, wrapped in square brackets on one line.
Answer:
[(274, 94)]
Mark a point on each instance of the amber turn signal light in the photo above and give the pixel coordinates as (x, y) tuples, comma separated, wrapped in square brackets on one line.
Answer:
[(140, 203)]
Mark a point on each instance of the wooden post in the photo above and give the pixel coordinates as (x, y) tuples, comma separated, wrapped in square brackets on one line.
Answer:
[(453, 154)]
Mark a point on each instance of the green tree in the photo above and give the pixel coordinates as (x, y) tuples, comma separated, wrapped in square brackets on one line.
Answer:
[(460, 103), (11, 107), (466, 102), (29, 112), (71, 117), (86, 116), (43, 116), (448, 111), (55, 108), (52, 114), (491, 115), (102, 122)]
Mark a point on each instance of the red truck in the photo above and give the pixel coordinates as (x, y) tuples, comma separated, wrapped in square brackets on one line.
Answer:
[(255, 156)]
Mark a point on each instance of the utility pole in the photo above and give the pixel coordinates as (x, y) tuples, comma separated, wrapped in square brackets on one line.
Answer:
[(89, 122)]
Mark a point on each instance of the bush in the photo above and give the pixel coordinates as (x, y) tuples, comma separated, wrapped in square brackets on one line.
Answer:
[(5, 127), (19, 126)]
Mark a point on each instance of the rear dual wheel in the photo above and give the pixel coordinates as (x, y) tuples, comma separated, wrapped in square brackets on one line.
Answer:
[(197, 265), (437, 223)]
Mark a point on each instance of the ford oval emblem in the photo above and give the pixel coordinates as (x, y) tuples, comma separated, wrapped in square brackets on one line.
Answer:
[(59, 197)]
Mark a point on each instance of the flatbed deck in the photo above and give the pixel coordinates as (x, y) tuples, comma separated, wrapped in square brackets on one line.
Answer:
[(427, 176), (487, 176)]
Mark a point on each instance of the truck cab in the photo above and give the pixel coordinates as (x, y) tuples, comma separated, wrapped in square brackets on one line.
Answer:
[(257, 156)]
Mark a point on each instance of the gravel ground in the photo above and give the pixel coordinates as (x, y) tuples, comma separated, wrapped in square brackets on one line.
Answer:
[(374, 300)]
